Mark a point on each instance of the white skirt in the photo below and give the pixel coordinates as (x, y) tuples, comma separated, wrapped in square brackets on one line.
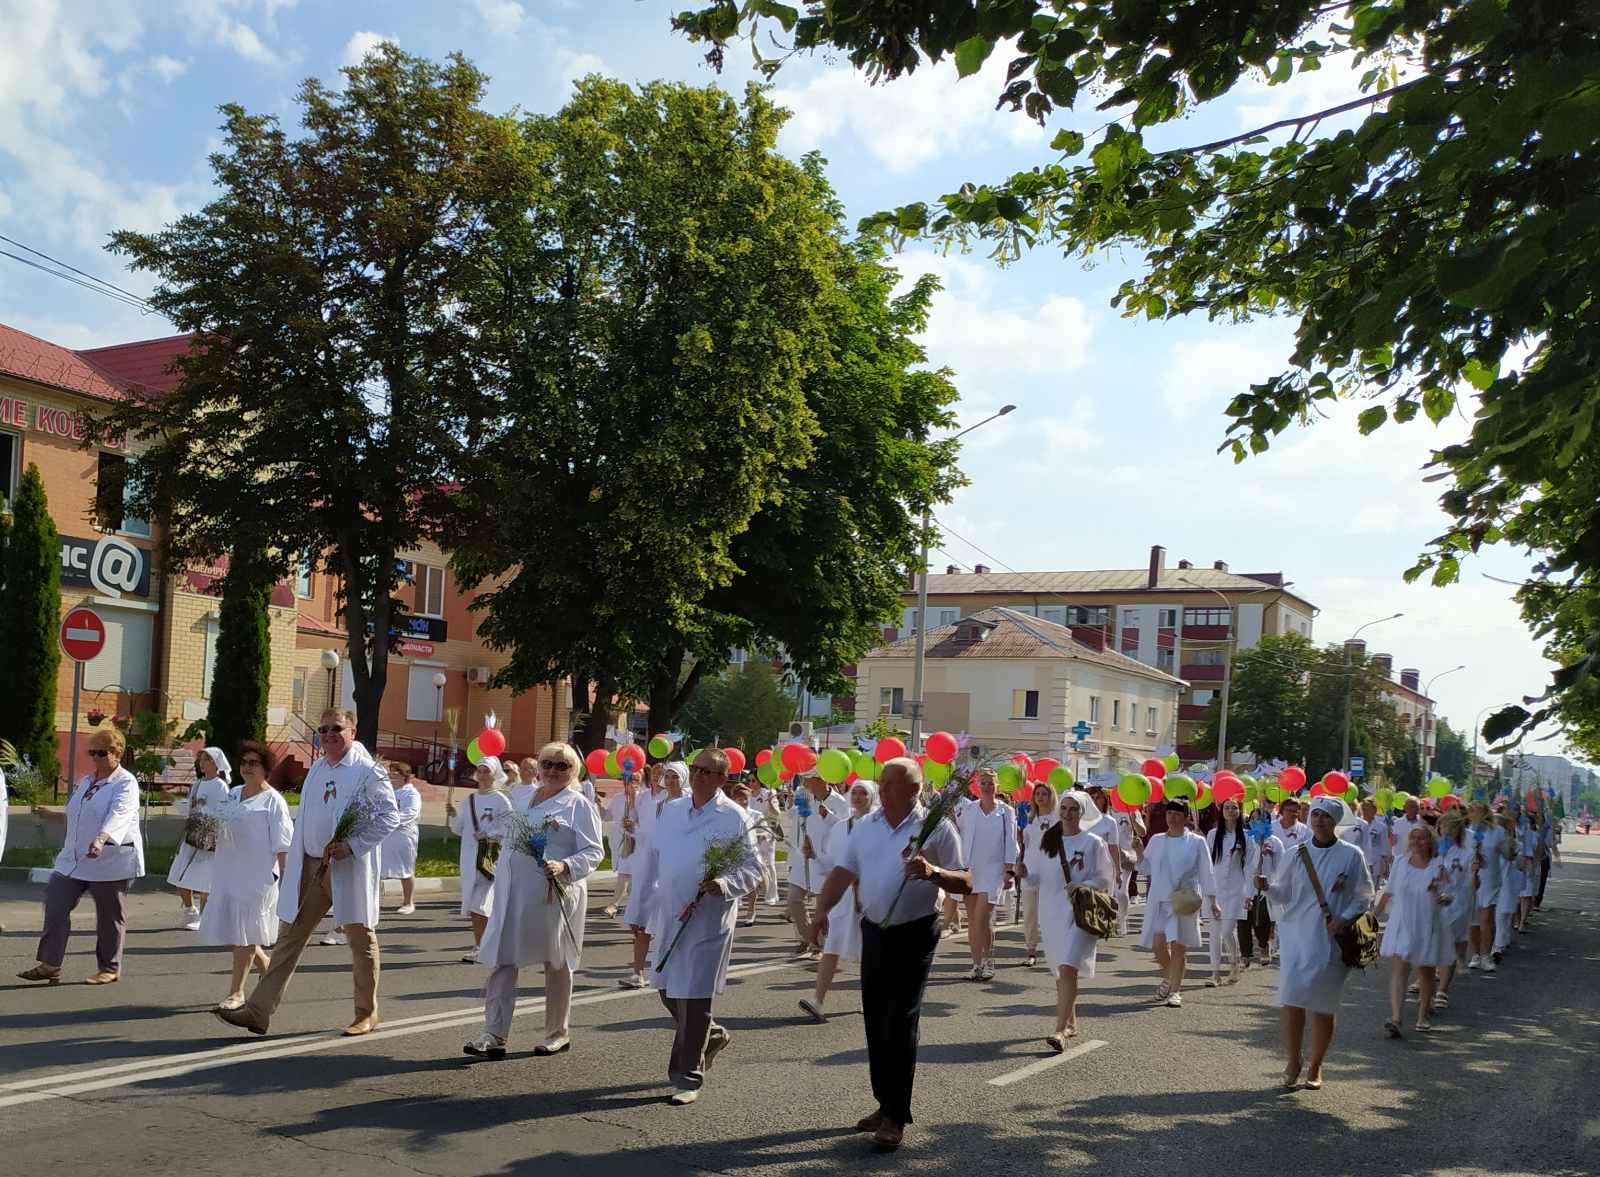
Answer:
[(1419, 939), (241, 918), (1064, 942), (191, 869), (477, 894), (398, 853), (844, 929), (1177, 929)]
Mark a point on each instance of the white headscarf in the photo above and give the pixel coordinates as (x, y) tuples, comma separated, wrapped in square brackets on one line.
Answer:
[(1091, 811), (1332, 806), (496, 768), (220, 759), (872, 793), (680, 770)]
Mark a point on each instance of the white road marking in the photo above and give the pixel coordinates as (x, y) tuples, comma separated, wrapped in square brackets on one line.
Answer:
[(1043, 1064), (71, 1083)]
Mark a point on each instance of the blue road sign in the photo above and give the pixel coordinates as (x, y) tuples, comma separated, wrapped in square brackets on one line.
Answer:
[(1358, 767), (1081, 730)]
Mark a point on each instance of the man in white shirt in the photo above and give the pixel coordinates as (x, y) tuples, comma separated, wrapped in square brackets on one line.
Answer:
[(1290, 830), (323, 875), (1371, 837), (899, 887)]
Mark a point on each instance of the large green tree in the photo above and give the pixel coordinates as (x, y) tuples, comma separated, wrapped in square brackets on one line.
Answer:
[(241, 679), (30, 571), (1266, 699), (742, 708), (1434, 234), (1451, 756), (334, 385)]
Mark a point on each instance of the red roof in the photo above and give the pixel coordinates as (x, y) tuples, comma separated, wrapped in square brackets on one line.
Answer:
[(149, 363), (28, 357)]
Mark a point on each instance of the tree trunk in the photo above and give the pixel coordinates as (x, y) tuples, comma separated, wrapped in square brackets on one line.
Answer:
[(597, 718), (668, 696)]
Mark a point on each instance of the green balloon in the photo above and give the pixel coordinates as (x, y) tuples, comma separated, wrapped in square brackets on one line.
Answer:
[(613, 765), (1172, 762), (1275, 793), (1177, 785), (767, 773), (1008, 777), (474, 753), (660, 747), (935, 773), (1134, 788), (1204, 799), (865, 764), (833, 766), (1438, 786), (1061, 778)]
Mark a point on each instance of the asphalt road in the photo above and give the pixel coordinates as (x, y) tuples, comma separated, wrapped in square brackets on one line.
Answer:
[(140, 1079)]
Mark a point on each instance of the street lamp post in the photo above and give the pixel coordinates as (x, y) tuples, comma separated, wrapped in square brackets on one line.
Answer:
[(438, 681), (1344, 757), (1472, 769), (330, 663), (920, 663), (1422, 728)]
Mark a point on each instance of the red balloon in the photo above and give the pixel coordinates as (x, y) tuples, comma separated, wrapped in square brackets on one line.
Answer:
[(1449, 801), (1318, 791), (851, 779), (1023, 759), (942, 747), (1157, 793), (1292, 778), (629, 756), (1227, 790), (595, 762), (1153, 769), (785, 774), (735, 760), (491, 741), (797, 758), (763, 756), (1120, 805), (1023, 792), (972, 787), (889, 748), (1042, 768)]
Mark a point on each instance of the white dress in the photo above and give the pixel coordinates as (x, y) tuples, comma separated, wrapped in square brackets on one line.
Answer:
[(1528, 860), (641, 897), (1065, 943), (1416, 931), (191, 867), (1171, 863), (809, 873), (1032, 857), (844, 920), (490, 809), (1311, 972), (243, 904), (531, 922), (989, 841), (399, 850), (618, 806), (697, 966), (1231, 870), (1489, 854), (1457, 865)]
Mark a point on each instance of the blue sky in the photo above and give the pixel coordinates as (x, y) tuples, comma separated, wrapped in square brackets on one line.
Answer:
[(108, 109)]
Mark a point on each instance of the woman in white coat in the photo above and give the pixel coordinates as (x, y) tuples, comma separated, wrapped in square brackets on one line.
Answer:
[(1456, 858), (252, 846), (191, 865), (1031, 865), (1312, 972), (669, 782), (102, 853), (399, 850), (1178, 865), (541, 895), (988, 830), (843, 941), (1416, 936), (1230, 868), (478, 823), (622, 829), (1073, 858)]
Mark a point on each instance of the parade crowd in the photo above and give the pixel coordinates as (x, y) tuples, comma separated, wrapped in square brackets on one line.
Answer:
[(877, 875)]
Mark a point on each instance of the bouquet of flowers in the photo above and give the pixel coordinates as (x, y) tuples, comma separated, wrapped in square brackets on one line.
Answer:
[(532, 838), (722, 856), (357, 818), (200, 830), (941, 807)]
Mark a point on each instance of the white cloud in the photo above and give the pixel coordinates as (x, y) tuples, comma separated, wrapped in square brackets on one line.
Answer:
[(1205, 374), (362, 43), (504, 17), (168, 69), (570, 66), (220, 22), (910, 122)]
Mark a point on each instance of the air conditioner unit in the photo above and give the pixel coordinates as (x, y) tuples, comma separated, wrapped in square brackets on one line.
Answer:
[(801, 729), (478, 674)]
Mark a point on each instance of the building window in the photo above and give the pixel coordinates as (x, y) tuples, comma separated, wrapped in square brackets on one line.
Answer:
[(908, 620), (10, 453), (306, 565), (1088, 615), (1208, 658), (430, 590), (124, 663), (298, 698), (1154, 721), (1116, 714), (208, 665), (1094, 708), (423, 699), (1167, 618), (1201, 698), (944, 616), (1024, 704), (892, 700), (1205, 616), (113, 488), (1055, 613), (1166, 659)]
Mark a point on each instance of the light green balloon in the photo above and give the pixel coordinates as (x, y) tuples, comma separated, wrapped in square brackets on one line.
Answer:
[(1177, 785), (660, 746), (1204, 799), (935, 773), (865, 765), (1134, 788), (833, 766), (767, 773), (613, 765), (1061, 778), (1275, 793), (474, 753), (1172, 762), (1438, 786), (1008, 777)]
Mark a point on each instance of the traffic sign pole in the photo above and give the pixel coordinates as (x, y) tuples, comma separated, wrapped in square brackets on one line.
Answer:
[(83, 637), (72, 739)]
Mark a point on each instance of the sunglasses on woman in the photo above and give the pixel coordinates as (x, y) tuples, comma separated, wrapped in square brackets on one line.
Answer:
[(555, 765), (98, 753)]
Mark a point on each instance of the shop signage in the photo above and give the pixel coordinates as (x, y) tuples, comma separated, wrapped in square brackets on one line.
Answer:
[(415, 649), (50, 420), (109, 565), (430, 629)]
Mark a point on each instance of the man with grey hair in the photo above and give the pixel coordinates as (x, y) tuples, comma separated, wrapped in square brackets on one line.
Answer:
[(900, 874)]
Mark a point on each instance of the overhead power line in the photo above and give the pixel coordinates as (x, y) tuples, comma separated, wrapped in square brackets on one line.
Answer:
[(70, 273)]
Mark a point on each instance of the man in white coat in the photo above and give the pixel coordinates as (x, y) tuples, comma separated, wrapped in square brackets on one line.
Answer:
[(1371, 837), (322, 874), (693, 968)]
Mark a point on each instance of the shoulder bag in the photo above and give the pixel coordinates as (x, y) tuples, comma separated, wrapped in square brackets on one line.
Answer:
[(1358, 943), (488, 848)]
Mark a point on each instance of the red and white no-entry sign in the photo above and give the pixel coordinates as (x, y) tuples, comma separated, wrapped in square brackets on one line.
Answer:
[(83, 634)]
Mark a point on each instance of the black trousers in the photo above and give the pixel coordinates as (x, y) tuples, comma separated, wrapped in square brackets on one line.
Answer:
[(1256, 928), (1544, 877), (894, 972)]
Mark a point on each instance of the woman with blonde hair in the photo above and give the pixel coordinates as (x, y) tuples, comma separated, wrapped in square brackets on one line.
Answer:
[(1416, 938), (479, 830), (540, 899)]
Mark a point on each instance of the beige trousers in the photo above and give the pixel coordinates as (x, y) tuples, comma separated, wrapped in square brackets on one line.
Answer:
[(316, 900)]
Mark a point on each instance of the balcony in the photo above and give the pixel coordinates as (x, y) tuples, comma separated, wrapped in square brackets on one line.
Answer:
[(1205, 633), (1202, 673), (1192, 712)]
